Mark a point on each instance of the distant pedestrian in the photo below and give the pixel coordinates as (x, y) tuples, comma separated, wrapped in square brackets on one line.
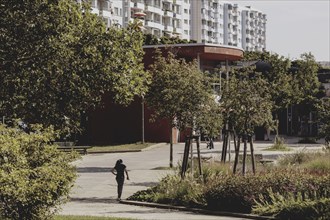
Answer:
[(119, 171)]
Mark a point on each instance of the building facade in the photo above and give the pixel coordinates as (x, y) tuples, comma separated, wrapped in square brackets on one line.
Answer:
[(204, 21)]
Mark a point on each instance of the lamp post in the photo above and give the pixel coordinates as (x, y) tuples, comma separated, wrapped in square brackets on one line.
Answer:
[(142, 122)]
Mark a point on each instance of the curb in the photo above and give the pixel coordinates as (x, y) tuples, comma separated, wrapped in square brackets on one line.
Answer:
[(196, 210), (153, 146), (129, 151), (114, 152)]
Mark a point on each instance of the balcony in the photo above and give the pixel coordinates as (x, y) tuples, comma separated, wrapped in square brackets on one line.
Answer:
[(177, 16), (168, 28), (137, 6), (177, 30), (154, 9), (154, 24), (168, 13)]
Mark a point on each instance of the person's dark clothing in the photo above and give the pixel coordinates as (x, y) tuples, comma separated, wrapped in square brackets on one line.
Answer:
[(120, 171), (120, 178)]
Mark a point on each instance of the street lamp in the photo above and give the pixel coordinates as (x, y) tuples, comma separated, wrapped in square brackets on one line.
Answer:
[(142, 110)]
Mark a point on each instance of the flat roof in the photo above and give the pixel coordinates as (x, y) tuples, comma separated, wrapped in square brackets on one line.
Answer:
[(204, 50)]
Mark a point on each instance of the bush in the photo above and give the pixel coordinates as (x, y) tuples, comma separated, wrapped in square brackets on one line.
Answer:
[(307, 140), (313, 161), (279, 145), (238, 193), (173, 190), (35, 177), (294, 159), (288, 205)]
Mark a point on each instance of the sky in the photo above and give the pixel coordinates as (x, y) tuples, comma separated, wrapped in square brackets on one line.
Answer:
[(295, 27)]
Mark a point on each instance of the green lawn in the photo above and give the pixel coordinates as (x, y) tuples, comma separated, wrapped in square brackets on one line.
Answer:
[(118, 148), (74, 217)]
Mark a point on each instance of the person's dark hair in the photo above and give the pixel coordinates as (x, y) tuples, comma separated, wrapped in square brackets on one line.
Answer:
[(120, 161)]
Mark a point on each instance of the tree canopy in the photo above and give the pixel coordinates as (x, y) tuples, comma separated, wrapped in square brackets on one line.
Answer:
[(289, 82), (246, 101), (179, 90), (57, 60)]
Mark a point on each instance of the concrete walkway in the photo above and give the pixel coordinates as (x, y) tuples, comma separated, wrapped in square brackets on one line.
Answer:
[(94, 192)]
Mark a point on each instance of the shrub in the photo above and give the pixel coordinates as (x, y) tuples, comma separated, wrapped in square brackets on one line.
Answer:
[(238, 193), (288, 205), (279, 145), (321, 164), (295, 158), (35, 177), (313, 161), (307, 140), (173, 190)]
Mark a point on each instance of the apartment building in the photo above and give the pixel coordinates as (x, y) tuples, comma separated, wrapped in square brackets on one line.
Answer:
[(253, 29), (205, 21), (232, 23)]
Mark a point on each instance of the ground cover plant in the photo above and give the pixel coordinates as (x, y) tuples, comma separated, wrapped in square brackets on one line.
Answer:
[(286, 190)]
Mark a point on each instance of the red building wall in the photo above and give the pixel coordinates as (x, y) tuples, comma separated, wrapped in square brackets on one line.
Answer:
[(115, 124)]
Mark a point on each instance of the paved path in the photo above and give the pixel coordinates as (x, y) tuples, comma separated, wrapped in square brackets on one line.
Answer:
[(94, 193)]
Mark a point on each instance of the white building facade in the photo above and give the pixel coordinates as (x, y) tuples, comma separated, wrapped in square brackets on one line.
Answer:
[(204, 21)]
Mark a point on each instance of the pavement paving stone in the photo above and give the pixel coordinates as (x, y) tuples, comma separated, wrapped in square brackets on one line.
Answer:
[(95, 190)]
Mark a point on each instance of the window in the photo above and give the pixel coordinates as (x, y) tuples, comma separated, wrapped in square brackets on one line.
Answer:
[(185, 11), (185, 21)]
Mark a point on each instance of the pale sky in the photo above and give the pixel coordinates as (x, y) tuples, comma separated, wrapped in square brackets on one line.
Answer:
[(295, 27)]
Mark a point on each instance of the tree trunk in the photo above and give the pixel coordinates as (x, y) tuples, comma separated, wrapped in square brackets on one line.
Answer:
[(244, 155), (224, 146), (237, 147), (171, 147), (252, 157), (199, 158), (185, 157)]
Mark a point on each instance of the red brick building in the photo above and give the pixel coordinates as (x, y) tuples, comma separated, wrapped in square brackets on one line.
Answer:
[(118, 124)]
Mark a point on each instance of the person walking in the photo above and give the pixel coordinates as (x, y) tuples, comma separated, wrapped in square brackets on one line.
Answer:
[(119, 171)]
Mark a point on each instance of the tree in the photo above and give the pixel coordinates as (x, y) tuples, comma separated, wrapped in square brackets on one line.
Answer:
[(57, 60), (178, 92), (247, 104), (35, 178), (323, 110), (305, 81), (289, 82), (276, 73)]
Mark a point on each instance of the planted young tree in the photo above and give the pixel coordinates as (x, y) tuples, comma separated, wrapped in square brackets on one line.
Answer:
[(58, 59), (177, 93), (323, 110), (35, 178), (247, 104)]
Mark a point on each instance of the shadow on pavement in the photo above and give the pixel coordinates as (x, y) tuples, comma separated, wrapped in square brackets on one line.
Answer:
[(147, 184), (93, 170), (139, 211), (93, 200)]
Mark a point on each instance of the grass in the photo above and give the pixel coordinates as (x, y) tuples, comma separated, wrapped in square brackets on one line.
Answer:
[(316, 161), (118, 148), (276, 147), (75, 217), (279, 145)]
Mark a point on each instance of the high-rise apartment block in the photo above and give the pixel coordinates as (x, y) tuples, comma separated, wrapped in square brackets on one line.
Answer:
[(205, 21)]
